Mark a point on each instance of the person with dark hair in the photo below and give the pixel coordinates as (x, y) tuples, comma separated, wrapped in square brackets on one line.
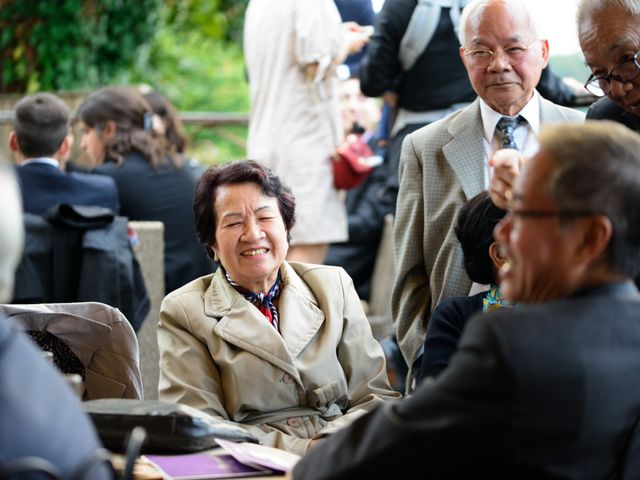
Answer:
[(547, 389), (282, 348), (167, 123), (40, 141), (44, 433), (117, 133), (482, 260)]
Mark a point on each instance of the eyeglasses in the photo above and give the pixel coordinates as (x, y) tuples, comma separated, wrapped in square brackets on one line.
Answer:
[(483, 57), (562, 214), (623, 72)]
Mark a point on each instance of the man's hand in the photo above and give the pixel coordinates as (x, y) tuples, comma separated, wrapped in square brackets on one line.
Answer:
[(506, 165)]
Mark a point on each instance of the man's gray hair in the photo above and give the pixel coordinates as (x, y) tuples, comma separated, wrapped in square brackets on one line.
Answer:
[(472, 9), (597, 169), (587, 9), (11, 230)]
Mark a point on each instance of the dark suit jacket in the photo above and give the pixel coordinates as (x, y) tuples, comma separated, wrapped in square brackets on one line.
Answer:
[(542, 391), (606, 109), (43, 186), (40, 415), (447, 322), (164, 194)]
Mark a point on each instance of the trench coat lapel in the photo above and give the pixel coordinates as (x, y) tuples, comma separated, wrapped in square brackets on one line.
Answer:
[(465, 151), (240, 323)]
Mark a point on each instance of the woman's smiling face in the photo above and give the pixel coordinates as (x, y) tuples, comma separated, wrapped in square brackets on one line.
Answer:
[(250, 235)]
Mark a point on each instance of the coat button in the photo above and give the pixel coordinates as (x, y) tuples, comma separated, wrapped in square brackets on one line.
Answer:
[(288, 378), (294, 422)]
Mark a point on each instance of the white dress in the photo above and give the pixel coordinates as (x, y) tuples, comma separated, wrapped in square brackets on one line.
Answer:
[(289, 128)]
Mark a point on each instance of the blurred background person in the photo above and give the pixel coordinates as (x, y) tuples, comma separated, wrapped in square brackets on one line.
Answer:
[(291, 54), (167, 123), (41, 142), (117, 133), (368, 203), (283, 349), (362, 13)]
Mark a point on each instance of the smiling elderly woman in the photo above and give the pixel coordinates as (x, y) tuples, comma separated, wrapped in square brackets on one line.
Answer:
[(283, 349)]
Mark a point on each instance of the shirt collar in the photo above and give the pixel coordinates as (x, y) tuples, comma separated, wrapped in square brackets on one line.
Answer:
[(42, 160), (530, 112)]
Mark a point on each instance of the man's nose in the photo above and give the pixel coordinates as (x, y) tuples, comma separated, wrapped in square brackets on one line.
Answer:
[(499, 61), (620, 89)]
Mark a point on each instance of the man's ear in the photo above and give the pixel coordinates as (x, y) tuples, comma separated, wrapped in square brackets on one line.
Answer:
[(595, 235), (13, 141), (545, 51)]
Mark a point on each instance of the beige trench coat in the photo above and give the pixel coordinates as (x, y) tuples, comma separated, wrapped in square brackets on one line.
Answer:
[(218, 353)]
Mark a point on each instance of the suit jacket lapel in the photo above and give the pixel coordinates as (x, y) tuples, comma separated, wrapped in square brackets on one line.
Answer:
[(465, 150)]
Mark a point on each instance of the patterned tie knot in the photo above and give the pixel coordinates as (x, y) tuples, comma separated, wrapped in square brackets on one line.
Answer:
[(506, 127)]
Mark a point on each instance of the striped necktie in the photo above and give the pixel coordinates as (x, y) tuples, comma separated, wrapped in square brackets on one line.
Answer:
[(506, 127), (263, 301)]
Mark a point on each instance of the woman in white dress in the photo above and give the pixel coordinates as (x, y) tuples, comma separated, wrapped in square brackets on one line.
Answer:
[(291, 50)]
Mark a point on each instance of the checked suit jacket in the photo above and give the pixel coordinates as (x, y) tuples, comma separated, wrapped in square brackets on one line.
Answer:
[(441, 167)]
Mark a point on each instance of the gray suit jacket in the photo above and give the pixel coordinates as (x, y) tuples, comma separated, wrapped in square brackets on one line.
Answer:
[(441, 167)]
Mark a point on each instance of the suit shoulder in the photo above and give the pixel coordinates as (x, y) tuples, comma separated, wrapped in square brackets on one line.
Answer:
[(310, 269), (93, 179), (566, 114), (195, 287)]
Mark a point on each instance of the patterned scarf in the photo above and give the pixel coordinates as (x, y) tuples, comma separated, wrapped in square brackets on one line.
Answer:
[(493, 299), (264, 302)]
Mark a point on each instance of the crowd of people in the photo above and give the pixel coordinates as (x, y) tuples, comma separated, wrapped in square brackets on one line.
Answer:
[(516, 246)]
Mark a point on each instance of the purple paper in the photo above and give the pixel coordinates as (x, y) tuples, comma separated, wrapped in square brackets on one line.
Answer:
[(202, 466)]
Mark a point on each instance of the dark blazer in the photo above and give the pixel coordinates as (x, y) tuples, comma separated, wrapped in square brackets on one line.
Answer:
[(447, 322), (164, 194), (40, 415), (606, 109), (542, 391), (75, 255), (43, 186)]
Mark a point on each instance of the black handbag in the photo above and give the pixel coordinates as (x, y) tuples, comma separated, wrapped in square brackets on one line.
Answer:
[(169, 427)]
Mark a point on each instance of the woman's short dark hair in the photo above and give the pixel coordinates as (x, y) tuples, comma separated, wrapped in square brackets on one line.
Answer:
[(132, 115), (241, 171), (474, 228)]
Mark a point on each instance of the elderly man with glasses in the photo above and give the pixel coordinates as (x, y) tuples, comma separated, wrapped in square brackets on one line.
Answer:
[(609, 32), (444, 164), (549, 389)]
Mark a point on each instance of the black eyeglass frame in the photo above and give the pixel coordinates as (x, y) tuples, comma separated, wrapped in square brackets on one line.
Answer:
[(594, 82)]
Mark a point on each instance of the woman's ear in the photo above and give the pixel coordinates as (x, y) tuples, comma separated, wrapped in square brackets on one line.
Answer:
[(496, 255), (108, 130), (216, 258)]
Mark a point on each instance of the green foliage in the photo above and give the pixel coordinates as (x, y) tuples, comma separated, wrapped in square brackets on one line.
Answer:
[(194, 62), (70, 44), (570, 66)]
